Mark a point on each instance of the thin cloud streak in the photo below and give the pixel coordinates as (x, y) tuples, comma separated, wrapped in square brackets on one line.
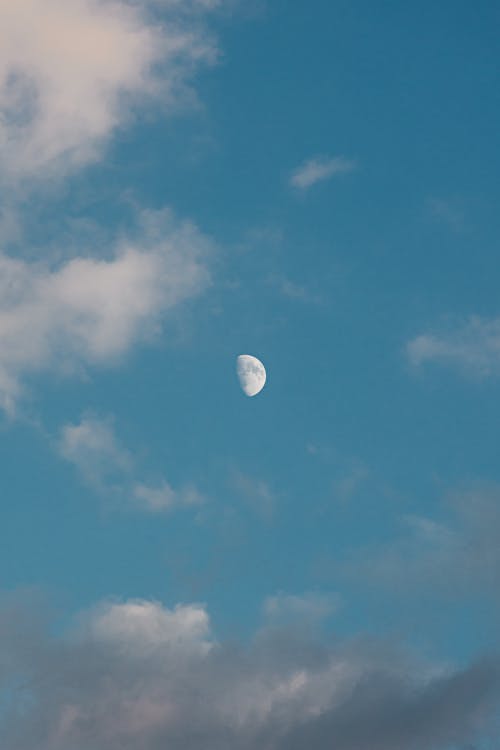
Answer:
[(447, 211), (311, 608), (472, 347), (319, 169)]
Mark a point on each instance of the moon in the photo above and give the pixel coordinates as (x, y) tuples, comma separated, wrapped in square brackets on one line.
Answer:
[(251, 374)]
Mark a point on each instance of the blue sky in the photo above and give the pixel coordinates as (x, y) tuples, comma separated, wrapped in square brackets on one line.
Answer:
[(315, 184)]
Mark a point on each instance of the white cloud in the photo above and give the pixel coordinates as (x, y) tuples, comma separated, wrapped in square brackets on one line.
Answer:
[(473, 346), (141, 627), (91, 311), (318, 169), (72, 71)]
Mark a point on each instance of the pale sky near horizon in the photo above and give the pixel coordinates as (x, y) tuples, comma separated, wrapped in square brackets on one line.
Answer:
[(312, 183)]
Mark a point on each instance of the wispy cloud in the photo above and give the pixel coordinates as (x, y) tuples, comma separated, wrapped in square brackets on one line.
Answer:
[(91, 311), (347, 486), (448, 212), (313, 607), (293, 290), (163, 497), (472, 346), (73, 71), (455, 554), (137, 673), (93, 447), (257, 494), (319, 169)]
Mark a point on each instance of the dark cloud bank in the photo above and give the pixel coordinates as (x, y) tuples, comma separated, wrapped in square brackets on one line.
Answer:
[(139, 676)]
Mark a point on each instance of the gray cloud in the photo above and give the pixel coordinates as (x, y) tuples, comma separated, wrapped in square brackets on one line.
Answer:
[(136, 674), (385, 713), (455, 554)]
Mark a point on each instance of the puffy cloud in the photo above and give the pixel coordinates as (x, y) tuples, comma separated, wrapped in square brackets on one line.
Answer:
[(137, 674), (72, 71), (472, 346), (91, 311), (141, 627), (319, 169)]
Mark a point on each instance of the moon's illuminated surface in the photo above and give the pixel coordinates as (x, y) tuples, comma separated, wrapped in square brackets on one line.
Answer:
[(251, 374)]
